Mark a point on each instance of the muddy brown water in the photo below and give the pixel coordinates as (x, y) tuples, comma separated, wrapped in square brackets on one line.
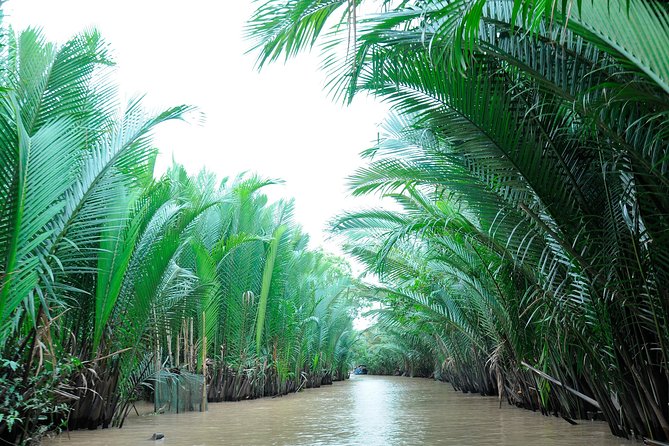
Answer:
[(365, 410)]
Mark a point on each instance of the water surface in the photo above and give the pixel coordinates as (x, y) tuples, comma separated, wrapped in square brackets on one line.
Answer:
[(365, 411)]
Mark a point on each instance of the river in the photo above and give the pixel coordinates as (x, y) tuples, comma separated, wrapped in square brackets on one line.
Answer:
[(365, 411)]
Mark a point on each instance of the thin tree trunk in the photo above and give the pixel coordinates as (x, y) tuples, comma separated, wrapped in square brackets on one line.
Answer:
[(169, 347), (178, 347), (203, 405), (156, 398), (191, 347)]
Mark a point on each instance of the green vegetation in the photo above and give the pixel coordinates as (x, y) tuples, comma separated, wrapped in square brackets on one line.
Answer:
[(110, 278), (526, 255), (529, 155)]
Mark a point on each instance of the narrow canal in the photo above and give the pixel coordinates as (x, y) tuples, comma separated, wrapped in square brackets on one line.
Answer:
[(366, 410)]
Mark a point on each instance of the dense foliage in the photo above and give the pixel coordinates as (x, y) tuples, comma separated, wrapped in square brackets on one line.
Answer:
[(110, 277), (529, 155)]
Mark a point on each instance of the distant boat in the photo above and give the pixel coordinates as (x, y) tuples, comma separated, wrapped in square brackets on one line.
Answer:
[(360, 370)]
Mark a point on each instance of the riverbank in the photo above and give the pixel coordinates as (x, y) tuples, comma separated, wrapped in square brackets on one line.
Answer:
[(365, 410)]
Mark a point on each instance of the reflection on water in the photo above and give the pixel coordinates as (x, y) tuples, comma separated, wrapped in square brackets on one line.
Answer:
[(367, 410)]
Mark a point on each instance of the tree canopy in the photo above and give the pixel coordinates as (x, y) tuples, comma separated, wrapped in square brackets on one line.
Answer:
[(527, 151)]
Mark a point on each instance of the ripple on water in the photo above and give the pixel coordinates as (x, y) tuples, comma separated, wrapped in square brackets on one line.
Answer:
[(365, 411)]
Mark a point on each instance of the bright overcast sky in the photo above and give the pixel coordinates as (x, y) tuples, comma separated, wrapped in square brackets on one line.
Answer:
[(278, 123)]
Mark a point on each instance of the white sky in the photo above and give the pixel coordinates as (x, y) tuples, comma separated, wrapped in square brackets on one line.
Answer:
[(278, 123)]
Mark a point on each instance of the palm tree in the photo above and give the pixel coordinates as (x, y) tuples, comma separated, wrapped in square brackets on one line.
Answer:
[(116, 284), (69, 157), (549, 134)]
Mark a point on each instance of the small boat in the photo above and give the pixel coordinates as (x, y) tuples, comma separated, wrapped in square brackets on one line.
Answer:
[(360, 370)]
